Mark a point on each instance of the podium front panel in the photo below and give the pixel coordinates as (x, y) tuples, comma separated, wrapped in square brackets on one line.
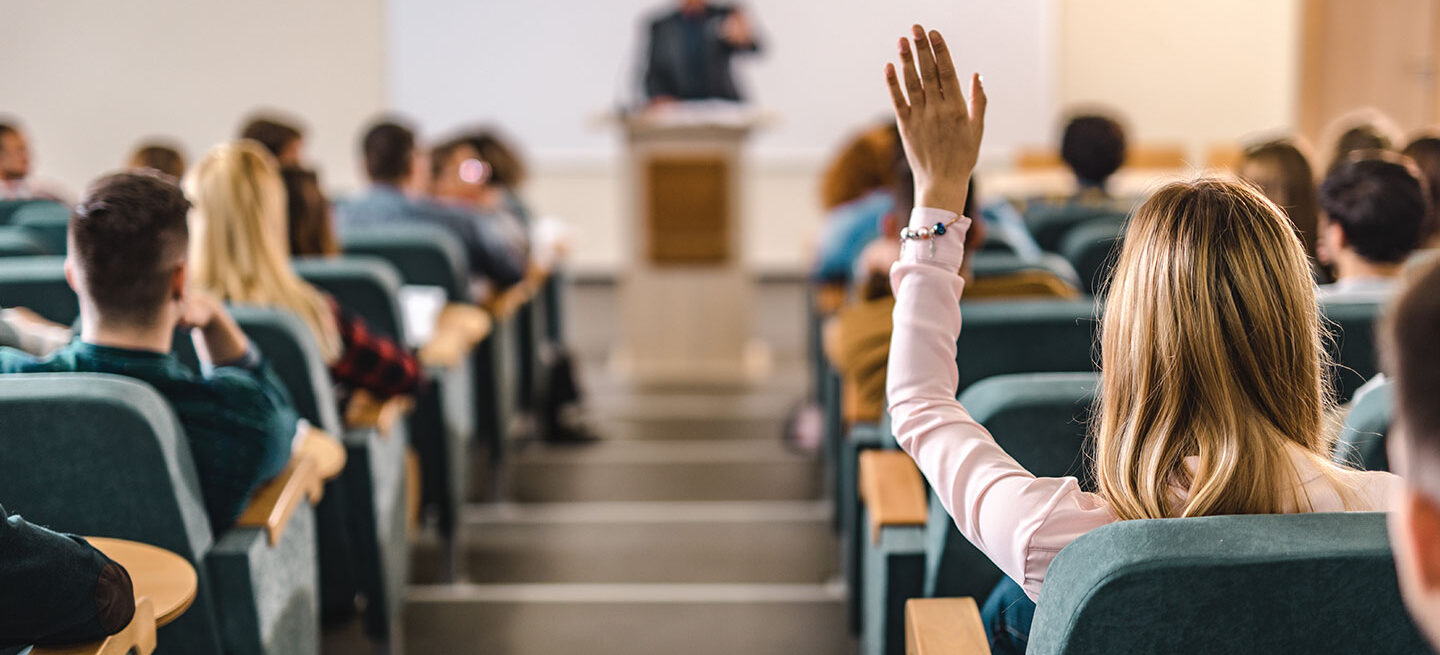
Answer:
[(687, 210)]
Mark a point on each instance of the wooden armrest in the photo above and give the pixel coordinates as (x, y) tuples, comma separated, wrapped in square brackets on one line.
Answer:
[(136, 637), (327, 451), (272, 505), (166, 579), (457, 330), (366, 411), (944, 626), (829, 298), (892, 490)]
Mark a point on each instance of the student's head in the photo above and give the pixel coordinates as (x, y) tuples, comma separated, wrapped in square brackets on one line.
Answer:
[(866, 163), (1369, 133), (312, 232), (1211, 350), (1411, 354), (283, 140), (240, 247), (1093, 146), (160, 157), (458, 173), (1283, 174), (1374, 209), (127, 248), (507, 169), (1425, 152), (389, 153), (14, 153)]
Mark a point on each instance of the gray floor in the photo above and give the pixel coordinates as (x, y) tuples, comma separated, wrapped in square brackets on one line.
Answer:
[(689, 528)]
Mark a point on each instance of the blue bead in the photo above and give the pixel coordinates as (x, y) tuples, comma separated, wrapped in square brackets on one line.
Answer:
[(939, 229)]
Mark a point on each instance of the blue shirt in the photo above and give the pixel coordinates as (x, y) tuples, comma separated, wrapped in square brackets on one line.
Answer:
[(849, 228)]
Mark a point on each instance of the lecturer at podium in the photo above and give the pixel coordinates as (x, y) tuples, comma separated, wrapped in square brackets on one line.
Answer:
[(690, 51)]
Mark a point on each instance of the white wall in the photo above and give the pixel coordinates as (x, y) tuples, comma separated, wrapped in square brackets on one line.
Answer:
[(90, 79)]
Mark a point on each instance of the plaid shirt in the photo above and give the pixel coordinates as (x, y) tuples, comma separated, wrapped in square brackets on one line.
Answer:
[(239, 420), (372, 362)]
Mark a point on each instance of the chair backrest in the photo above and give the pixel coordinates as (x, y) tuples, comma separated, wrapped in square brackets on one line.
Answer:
[(1033, 336), (1352, 325), (1041, 420), (104, 455), (1049, 223), (9, 207), (47, 221), (1093, 248), (39, 284), (292, 352), (1362, 439), (423, 254), (367, 286), (992, 264), (1290, 583), (21, 242)]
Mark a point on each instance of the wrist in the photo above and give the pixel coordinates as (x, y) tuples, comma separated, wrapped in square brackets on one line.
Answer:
[(944, 197)]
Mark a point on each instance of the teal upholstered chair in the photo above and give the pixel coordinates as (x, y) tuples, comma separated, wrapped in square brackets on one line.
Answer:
[(990, 264), (441, 425), (21, 242), (8, 208), (47, 221), (1041, 420), (1352, 327), (1362, 439), (104, 455), (361, 518), (1093, 248), (1050, 223), (39, 284), (1290, 583), (861, 437), (1032, 336)]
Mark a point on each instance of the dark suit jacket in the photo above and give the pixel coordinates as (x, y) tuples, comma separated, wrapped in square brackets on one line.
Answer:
[(667, 73), (56, 589)]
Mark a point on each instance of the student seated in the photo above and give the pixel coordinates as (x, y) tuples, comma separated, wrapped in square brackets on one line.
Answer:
[(1282, 172), (1364, 131), (1412, 356), (390, 164), (16, 182), (312, 225), (240, 208), (459, 178), (1425, 152), (158, 156), (850, 226), (284, 140), (1204, 409), (1374, 210), (127, 264), (56, 589)]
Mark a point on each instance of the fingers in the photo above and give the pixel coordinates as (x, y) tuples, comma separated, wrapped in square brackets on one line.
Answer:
[(897, 98), (912, 78), (928, 73), (944, 65), (978, 100)]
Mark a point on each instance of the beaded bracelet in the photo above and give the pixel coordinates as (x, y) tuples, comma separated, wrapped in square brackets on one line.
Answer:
[(926, 233)]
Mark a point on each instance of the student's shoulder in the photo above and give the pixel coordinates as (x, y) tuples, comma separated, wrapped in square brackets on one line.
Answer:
[(13, 360)]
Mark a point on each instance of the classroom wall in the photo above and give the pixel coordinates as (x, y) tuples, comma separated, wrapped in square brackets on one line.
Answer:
[(90, 79)]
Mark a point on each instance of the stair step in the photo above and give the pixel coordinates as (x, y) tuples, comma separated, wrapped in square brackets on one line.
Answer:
[(703, 619)]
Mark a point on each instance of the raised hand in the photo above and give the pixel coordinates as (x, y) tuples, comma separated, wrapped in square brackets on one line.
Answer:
[(940, 128)]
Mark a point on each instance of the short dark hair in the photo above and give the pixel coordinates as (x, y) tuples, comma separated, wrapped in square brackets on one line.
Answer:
[(389, 148), (126, 235), (1411, 354), (163, 158), (1093, 146), (1379, 204), (272, 134)]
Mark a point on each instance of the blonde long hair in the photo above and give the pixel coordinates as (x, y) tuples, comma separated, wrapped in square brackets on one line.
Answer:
[(239, 238), (1212, 347)]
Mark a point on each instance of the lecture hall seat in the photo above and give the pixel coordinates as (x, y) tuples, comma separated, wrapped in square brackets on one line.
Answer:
[(1362, 438), (257, 581), (46, 221), (1093, 248), (1026, 336)]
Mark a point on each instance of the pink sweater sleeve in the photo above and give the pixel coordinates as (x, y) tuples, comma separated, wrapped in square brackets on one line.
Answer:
[(1016, 519)]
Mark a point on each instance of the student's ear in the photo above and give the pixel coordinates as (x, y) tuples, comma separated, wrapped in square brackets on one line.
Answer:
[(71, 275), (1420, 528), (177, 282)]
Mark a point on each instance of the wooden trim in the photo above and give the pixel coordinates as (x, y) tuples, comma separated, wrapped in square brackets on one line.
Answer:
[(275, 502), (892, 489), (327, 451), (1309, 119), (458, 329), (166, 579), (944, 626), (365, 411), (136, 637)]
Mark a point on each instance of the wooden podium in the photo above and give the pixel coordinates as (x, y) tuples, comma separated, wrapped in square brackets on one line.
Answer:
[(686, 300)]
